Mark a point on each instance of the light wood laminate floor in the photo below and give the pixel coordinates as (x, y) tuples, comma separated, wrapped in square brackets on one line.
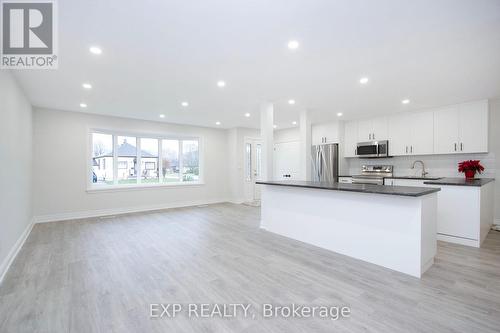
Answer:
[(101, 275)]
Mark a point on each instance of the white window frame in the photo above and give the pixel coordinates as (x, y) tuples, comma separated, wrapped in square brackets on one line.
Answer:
[(92, 187)]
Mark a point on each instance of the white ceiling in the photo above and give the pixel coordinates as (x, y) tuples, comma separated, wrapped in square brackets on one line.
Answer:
[(157, 54)]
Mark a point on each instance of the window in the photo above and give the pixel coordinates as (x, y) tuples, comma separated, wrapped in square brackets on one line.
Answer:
[(133, 160), (248, 162), (149, 161), (190, 165), (170, 161), (102, 151), (126, 151)]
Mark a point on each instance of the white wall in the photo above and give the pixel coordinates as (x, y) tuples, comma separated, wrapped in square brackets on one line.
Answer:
[(15, 161), (287, 135), (61, 158), (436, 165)]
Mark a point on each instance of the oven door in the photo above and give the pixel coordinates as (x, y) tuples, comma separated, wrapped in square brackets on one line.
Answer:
[(368, 180), (367, 149)]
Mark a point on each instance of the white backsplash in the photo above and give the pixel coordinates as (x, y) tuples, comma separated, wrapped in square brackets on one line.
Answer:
[(435, 165)]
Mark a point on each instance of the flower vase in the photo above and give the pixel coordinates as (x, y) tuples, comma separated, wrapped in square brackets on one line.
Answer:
[(469, 174)]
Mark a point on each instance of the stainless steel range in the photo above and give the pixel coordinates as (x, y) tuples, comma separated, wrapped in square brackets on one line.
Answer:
[(373, 174)]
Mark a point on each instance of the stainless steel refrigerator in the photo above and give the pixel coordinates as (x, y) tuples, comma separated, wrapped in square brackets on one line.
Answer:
[(325, 163)]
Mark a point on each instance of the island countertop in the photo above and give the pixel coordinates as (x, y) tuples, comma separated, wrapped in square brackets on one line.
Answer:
[(408, 191)]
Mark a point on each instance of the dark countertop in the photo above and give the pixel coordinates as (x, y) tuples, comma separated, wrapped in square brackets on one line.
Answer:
[(408, 191), (400, 177), (460, 181), (414, 177)]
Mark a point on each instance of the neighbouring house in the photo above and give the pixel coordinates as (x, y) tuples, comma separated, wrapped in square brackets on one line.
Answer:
[(127, 164)]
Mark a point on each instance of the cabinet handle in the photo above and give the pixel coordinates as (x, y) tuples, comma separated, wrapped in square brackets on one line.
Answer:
[(461, 146), (455, 147), (373, 136), (407, 149), (411, 149)]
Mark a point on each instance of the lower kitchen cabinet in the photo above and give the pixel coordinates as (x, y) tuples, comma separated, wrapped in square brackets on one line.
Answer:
[(465, 213)]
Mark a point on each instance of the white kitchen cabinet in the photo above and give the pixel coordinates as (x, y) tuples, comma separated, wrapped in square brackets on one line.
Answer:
[(350, 138), (398, 134), (325, 133), (411, 134), (465, 213), (473, 127), (461, 129), (379, 128), (422, 133), (404, 182), (372, 129)]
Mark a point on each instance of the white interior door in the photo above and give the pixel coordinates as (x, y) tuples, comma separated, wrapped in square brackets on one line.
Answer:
[(253, 169)]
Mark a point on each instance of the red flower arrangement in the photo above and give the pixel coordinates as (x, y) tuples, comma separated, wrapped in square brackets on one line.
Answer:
[(470, 168)]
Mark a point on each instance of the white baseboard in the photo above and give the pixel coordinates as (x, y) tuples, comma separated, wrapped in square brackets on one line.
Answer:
[(119, 211), (458, 240), (238, 201), (4, 267)]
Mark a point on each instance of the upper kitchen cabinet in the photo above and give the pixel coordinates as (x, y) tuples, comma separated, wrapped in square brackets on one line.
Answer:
[(473, 127), (461, 129), (325, 133), (411, 134), (372, 129), (422, 133), (350, 138)]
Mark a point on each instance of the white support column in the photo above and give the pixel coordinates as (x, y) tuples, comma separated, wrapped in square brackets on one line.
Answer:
[(267, 136), (305, 146)]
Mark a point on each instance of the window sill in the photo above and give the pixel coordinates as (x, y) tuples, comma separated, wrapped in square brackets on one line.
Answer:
[(114, 188)]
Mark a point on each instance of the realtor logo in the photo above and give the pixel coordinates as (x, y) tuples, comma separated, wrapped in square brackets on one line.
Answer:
[(28, 34)]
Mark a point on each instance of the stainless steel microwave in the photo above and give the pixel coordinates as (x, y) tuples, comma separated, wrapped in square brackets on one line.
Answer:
[(373, 149)]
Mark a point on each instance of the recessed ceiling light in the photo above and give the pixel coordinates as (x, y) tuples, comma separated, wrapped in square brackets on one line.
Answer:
[(405, 101), (162, 116), (275, 126), (217, 123), (87, 86), (293, 45), (247, 114), (221, 84), (185, 104), (95, 50), (339, 114), (363, 80), (294, 123), (83, 105), (291, 101)]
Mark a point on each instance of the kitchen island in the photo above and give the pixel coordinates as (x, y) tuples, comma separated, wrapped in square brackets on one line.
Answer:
[(391, 226)]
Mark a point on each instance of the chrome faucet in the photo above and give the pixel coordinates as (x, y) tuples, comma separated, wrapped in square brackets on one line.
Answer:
[(424, 173)]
